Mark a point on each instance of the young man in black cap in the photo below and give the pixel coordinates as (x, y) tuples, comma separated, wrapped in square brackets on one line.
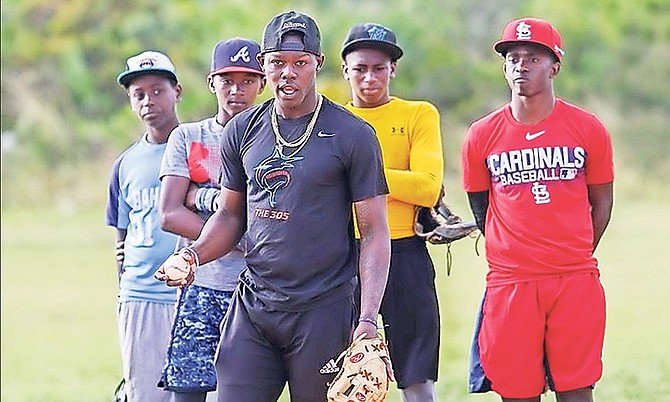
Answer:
[(293, 168), (409, 133), (189, 195)]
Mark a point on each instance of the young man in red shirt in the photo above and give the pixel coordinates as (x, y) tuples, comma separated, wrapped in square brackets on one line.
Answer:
[(539, 174)]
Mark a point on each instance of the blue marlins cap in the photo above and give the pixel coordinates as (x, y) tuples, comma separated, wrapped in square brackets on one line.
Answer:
[(371, 35)]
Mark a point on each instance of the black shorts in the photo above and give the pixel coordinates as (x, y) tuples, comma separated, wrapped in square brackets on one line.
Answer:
[(411, 314), (261, 349)]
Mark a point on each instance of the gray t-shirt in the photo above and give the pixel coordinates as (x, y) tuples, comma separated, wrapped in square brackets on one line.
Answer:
[(301, 250), (193, 152)]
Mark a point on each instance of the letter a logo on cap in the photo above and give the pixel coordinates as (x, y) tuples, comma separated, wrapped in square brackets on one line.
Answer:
[(523, 31), (243, 54)]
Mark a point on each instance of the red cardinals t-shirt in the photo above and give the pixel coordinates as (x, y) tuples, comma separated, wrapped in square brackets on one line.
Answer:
[(539, 218)]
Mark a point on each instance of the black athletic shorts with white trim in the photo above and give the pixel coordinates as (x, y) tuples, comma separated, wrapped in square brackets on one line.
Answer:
[(261, 349)]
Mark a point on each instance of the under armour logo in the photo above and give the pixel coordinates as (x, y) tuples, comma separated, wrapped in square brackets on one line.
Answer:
[(523, 31), (243, 54)]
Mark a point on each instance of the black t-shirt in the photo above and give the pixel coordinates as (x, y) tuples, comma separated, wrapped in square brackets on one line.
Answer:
[(301, 249)]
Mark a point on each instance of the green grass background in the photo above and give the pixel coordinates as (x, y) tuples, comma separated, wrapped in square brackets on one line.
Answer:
[(59, 340)]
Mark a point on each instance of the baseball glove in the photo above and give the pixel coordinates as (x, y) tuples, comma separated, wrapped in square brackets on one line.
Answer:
[(363, 376), (439, 225), (179, 268)]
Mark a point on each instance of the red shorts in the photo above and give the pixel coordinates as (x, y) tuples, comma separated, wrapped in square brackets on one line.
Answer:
[(551, 329)]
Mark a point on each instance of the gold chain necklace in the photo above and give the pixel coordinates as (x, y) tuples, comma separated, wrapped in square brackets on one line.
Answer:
[(298, 143)]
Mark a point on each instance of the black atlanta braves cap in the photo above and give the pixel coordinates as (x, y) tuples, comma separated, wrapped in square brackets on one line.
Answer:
[(291, 21), (235, 55), (148, 62), (371, 35)]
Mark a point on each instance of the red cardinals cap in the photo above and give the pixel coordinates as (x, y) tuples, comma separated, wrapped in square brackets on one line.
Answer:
[(370, 35), (235, 55), (148, 62), (291, 21), (531, 30)]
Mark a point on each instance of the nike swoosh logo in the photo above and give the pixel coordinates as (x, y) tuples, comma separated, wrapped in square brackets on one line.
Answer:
[(531, 137), (325, 135)]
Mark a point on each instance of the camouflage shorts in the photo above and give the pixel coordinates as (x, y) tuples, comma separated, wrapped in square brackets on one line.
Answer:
[(195, 337)]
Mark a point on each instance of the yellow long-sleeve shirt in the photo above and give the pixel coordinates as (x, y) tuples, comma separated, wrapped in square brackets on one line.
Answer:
[(411, 143)]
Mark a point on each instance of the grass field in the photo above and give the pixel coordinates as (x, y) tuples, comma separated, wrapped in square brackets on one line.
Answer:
[(59, 341)]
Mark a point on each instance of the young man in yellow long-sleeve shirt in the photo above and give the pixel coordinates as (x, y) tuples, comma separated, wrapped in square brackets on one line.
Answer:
[(409, 134)]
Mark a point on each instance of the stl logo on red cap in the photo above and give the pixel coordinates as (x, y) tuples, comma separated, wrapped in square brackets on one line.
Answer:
[(523, 31), (532, 30)]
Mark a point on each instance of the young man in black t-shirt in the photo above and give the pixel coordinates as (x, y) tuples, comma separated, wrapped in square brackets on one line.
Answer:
[(292, 169)]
